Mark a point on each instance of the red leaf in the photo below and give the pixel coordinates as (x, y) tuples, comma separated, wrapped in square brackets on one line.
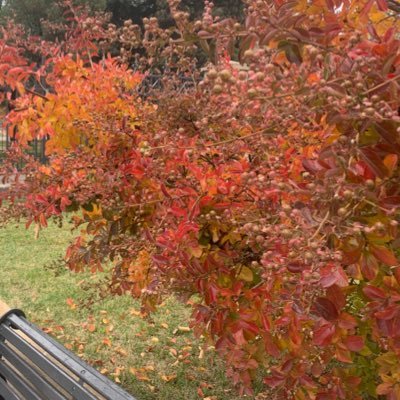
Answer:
[(336, 295), (277, 379), (390, 201), (266, 323), (212, 293), (239, 337), (343, 355), (270, 346), (388, 313), (383, 254), (249, 327), (330, 5), (325, 396), (374, 293), (326, 309), (369, 266), (396, 272), (347, 321), (312, 166), (382, 5), (43, 220), (164, 190), (328, 280), (323, 335), (388, 132), (295, 267), (373, 161), (333, 275), (354, 343), (159, 259), (367, 8), (384, 388)]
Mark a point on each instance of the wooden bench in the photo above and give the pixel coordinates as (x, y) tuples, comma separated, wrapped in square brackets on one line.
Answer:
[(33, 366)]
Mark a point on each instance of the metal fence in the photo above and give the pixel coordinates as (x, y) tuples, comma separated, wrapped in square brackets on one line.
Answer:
[(36, 147), (156, 82)]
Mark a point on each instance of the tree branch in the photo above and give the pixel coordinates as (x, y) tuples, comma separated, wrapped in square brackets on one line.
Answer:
[(394, 5)]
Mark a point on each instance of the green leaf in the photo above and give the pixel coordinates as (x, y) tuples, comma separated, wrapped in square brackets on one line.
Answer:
[(292, 51)]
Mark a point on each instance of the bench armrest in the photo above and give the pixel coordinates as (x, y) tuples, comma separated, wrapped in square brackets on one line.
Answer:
[(5, 311)]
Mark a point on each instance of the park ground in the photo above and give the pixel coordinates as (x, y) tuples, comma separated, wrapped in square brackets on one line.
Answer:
[(157, 359)]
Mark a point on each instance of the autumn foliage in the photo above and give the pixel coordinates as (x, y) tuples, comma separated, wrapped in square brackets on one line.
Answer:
[(267, 191)]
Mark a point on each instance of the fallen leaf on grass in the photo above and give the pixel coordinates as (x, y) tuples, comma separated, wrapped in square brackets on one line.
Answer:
[(201, 354), (121, 351), (135, 313), (151, 388), (71, 304), (173, 352), (168, 378), (140, 374)]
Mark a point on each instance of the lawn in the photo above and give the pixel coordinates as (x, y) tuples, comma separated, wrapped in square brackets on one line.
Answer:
[(158, 359)]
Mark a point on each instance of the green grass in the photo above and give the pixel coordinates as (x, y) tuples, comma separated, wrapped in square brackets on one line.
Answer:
[(149, 359)]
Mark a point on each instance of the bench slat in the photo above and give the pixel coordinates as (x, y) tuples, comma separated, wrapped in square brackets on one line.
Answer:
[(88, 374), (52, 370), (30, 374), (18, 383), (5, 392)]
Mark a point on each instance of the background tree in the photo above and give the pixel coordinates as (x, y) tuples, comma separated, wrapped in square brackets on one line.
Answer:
[(31, 13)]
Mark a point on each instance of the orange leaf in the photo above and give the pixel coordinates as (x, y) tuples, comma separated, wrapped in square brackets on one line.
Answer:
[(71, 303), (168, 378)]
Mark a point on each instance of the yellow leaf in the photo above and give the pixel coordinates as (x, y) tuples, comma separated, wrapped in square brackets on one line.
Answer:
[(201, 354), (121, 352), (196, 251), (215, 233), (246, 274)]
